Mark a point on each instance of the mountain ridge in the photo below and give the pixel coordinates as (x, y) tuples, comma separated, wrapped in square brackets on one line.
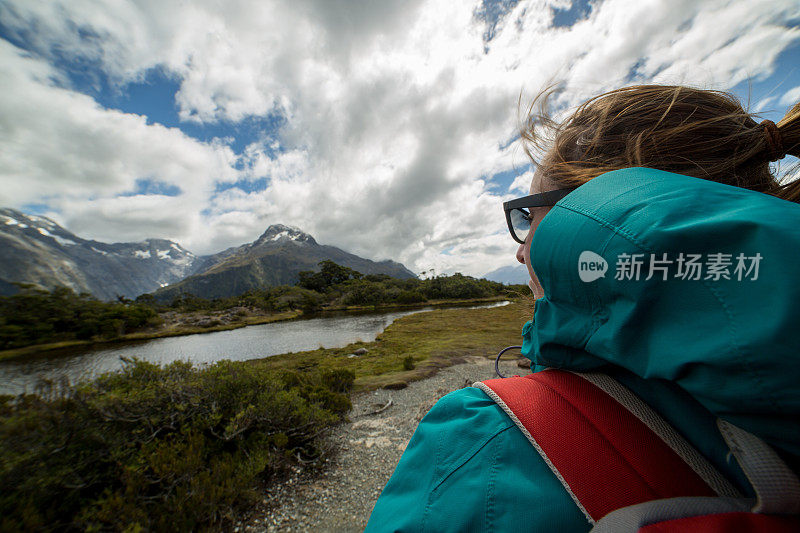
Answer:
[(38, 251), (514, 275), (275, 258)]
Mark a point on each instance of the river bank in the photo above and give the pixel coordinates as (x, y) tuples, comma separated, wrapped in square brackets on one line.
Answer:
[(192, 323), (414, 347), (367, 449)]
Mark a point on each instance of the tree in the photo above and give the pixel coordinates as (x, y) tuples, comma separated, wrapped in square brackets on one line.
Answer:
[(329, 274)]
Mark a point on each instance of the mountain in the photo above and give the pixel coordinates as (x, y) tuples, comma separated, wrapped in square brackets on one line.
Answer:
[(275, 258), (37, 250), (510, 275)]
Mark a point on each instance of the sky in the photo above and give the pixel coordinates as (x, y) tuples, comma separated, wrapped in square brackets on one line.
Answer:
[(388, 129)]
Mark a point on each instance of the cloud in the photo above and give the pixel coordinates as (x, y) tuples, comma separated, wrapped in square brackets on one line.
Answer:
[(522, 182), (61, 147), (128, 218), (791, 97), (395, 112)]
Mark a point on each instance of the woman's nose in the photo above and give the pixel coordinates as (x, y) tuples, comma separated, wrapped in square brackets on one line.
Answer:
[(521, 254)]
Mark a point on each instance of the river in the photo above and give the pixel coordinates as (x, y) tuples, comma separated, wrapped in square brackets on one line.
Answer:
[(251, 342)]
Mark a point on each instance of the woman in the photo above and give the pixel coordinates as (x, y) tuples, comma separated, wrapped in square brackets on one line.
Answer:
[(667, 260)]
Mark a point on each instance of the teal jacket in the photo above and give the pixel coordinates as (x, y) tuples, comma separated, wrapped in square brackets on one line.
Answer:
[(694, 349)]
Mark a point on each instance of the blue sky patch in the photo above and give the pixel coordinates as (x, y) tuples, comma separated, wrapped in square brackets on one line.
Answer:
[(36, 209), (785, 77), (153, 187), (501, 182), (491, 13), (564, 18), (248, 186), (152, 97)]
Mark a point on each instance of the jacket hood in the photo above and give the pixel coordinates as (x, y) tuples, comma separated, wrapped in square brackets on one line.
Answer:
[(729, 339)]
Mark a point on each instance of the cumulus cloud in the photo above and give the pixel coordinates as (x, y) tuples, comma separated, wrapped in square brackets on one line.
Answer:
[(397, 114), (522, 182), (791, 97), (61, 147)]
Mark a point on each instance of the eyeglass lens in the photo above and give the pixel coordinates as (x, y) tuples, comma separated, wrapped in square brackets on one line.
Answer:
[(521, 222)]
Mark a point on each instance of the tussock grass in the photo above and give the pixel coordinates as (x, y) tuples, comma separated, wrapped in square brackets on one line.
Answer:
[(434, 339)]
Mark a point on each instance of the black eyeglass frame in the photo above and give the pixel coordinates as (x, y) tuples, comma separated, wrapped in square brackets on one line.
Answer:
[(534, 200)]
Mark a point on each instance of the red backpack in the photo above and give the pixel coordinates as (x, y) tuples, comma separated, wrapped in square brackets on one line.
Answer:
[(628, 470)]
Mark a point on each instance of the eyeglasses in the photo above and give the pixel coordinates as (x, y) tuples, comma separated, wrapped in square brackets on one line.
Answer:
[(518, 215)]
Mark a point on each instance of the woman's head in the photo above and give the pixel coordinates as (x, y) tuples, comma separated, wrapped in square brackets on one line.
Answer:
[(695, 132)]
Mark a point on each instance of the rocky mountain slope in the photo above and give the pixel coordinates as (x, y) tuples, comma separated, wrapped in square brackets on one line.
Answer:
[(37, 250), (275, 258)]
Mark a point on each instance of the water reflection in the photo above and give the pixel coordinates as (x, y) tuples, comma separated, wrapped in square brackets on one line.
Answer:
[(252, 342)]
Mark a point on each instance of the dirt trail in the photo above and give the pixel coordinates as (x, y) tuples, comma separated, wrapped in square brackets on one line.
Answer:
[(342, 498)]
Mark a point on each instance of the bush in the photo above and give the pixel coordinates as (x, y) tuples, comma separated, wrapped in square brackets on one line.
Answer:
[(408, 363), (363, 293), (338, 380), (172, 448), (310, 302), (34, 316), (411, 297)]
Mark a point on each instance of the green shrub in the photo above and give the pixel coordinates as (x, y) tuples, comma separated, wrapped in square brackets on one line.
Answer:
[(152, 448), (363, 293), (410, 297), (338, 379), (408, 363), (34, 316)]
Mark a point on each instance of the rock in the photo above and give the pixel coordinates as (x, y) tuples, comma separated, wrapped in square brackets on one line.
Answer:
[(524, 363), (360, 351)]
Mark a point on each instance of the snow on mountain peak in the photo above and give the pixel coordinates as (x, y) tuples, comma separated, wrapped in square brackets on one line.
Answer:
[(60, 240), (279, 232)]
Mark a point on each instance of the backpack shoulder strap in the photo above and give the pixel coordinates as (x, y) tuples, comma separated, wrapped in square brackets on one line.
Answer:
[(776, 507), (603, 452)]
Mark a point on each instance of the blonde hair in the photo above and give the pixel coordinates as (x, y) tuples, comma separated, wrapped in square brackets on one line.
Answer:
[(696, 132)]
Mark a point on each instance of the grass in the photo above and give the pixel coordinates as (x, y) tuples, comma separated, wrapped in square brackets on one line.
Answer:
[(434, 340), (429, 303)]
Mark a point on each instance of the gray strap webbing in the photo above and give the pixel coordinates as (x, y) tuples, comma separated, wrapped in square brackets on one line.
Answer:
[(630, 519), (777, 487), (701, 466), (777, 490)]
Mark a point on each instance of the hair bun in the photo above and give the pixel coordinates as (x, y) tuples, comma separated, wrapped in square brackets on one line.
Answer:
[(774, 140)]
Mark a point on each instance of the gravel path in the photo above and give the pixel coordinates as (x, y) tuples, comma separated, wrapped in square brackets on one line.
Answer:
[(341, 498)]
